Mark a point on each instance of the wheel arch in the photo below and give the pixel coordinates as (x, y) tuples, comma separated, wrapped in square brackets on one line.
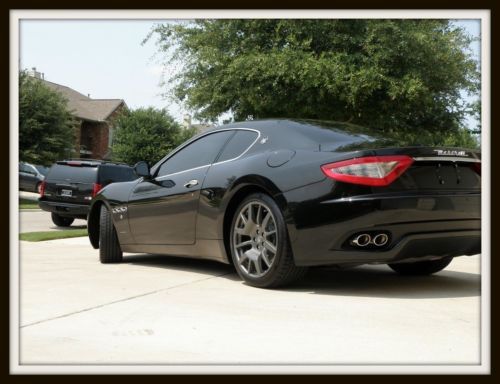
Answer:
[(245, 188)]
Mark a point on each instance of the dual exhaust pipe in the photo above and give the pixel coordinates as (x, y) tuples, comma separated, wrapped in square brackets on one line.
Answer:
[(364, 239)]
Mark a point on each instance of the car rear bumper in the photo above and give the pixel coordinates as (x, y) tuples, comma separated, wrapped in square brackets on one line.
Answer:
[(79, 211), (413, 247), (420, 227)]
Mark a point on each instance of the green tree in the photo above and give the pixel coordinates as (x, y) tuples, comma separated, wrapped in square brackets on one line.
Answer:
[(46, 127), (404, 75), (146, 134)]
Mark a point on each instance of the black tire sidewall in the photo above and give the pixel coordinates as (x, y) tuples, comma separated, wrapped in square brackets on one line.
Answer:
[(61, 221), (109, 246)]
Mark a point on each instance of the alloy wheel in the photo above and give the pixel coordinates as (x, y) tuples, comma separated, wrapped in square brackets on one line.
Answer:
[(255, 239)]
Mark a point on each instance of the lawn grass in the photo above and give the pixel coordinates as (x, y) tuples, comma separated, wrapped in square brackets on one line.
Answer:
[(28, 204), (53, 235)]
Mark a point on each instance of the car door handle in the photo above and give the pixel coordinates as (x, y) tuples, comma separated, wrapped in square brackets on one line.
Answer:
[(191, 183)]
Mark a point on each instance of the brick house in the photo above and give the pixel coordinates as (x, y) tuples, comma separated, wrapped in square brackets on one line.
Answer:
[(95, 117)]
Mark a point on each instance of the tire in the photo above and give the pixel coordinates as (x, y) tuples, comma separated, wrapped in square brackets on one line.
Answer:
[(420, 268), (261, 252), (109, 247), (61, 221)]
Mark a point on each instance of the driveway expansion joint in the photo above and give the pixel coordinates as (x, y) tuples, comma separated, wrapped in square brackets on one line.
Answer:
[(122, 300)]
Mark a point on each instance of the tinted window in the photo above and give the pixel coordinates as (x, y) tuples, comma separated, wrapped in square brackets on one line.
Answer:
[(26, 168), (115, 173), (73, 174), (202, 152), (238, 144), (43, 170), (31, 169)]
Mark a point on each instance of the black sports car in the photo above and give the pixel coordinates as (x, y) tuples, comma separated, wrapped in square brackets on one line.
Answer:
[(276, 196)]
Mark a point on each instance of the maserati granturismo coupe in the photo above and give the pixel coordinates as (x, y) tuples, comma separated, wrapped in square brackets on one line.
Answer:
[(273, 197)]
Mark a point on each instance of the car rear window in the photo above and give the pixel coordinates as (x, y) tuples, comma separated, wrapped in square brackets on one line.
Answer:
[(76, 174), (238, 144), (115, 174)]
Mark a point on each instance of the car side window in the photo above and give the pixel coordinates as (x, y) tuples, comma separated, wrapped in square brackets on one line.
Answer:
[(31, 169), (25, 168), (201, 152), (238, 144)]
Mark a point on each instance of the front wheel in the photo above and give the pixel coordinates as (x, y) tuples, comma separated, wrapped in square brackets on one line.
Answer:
[(61, 221), (109, 247), (426, 267), (260, 247)]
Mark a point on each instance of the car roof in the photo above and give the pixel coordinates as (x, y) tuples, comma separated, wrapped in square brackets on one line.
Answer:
[(90, 162), (305, 133)]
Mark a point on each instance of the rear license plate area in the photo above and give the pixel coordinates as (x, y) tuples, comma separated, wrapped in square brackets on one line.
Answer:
[(66, 192)]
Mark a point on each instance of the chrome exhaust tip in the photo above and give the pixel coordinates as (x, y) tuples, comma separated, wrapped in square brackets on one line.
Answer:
[(362, 240), (380, 240)]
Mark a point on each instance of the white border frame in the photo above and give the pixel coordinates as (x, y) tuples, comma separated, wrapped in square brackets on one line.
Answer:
[(483, 15)]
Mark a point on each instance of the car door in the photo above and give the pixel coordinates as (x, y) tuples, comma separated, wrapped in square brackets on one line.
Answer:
[(163, 210), (22, 176), (27, 177)]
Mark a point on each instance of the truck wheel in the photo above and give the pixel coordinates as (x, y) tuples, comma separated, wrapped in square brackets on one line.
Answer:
[(61, 221)]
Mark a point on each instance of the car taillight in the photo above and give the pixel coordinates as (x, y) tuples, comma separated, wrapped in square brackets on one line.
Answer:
[(374, 170), (477, 168), (95, 189), (42, 188)]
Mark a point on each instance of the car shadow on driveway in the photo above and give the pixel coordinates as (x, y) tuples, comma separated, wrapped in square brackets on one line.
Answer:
[(181, 264), (380, 281), (71, 228), (363, 281)]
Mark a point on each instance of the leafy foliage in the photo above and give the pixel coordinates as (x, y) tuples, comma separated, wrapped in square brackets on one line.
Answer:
[(46, 127), (146, 134), (388, 74)]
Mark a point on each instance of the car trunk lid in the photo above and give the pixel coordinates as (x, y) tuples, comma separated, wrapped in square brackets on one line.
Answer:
[(433, 168)]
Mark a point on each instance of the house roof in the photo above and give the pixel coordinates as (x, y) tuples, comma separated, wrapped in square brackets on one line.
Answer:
[(83, 106)]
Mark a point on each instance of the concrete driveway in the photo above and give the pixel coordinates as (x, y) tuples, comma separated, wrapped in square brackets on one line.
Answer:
[(165, 310), (36, 220)]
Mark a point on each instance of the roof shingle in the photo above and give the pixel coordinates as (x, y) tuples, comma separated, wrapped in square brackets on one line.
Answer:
[(83, 106)]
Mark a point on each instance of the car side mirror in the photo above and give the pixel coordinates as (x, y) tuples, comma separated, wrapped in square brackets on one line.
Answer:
[(142, 170)]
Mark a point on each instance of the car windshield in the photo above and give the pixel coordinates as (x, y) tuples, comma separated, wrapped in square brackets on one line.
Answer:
[(43, 170)]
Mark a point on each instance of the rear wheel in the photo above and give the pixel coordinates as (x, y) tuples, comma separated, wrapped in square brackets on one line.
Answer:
[(109, 247), (61, 221), (260, 246), (427, 267)]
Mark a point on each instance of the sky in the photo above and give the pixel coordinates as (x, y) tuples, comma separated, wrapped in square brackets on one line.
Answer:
[(105, 58)]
